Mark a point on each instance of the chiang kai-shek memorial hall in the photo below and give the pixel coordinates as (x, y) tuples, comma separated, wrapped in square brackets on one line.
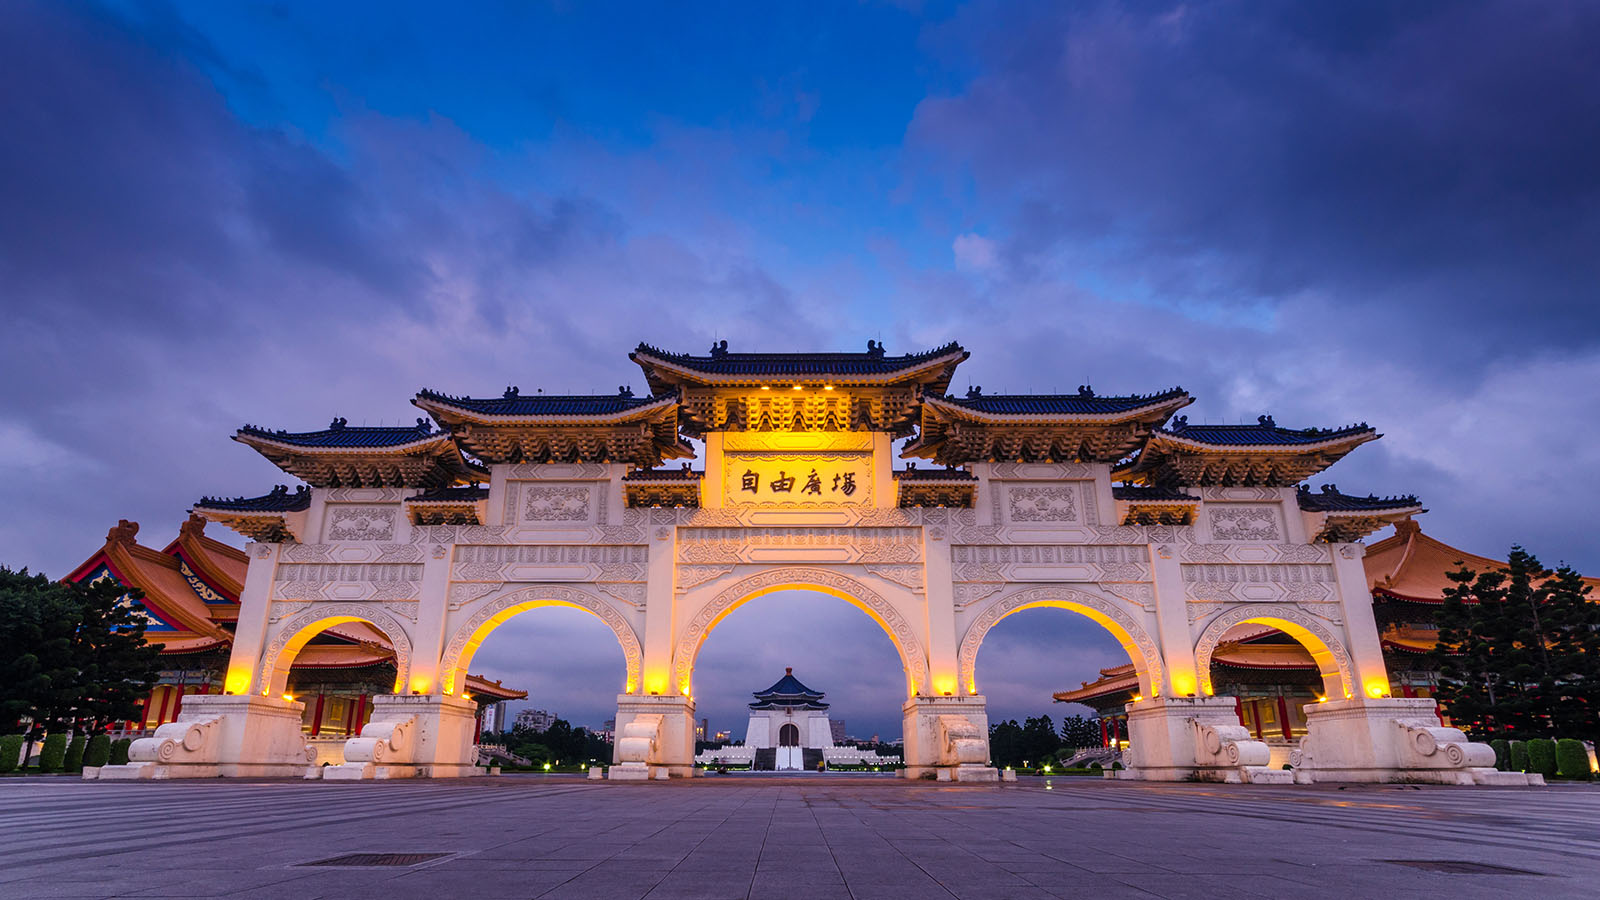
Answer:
[(1168, 534)]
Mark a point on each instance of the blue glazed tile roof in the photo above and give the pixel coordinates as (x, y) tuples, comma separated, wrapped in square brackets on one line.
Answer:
[(280, 499), (1264, 432), (462, 494), (1082, 403), (788, 688), (1149, 494), (340, 435), (796, 365), (514, 403), (1329, 499)]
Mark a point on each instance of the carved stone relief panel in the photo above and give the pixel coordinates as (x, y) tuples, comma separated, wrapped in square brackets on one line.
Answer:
[(557, 503), (1039, 471), (1043, 503), (1245, 522), (348, 581), (1239, 493), (530, 562), (360, 523), (1050, 562), (840, 545), (1298, 583)]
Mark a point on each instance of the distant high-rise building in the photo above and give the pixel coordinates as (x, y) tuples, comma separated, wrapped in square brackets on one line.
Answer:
[(837, 727), (703, 729), (535, 719)]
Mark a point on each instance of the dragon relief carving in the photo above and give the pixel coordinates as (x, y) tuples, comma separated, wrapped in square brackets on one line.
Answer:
[(318, 618), (1237, 522), (900, 630), (361, 523), (536, 595), (1056, 503), (1271, 615), (556, 503), (1149, 661)]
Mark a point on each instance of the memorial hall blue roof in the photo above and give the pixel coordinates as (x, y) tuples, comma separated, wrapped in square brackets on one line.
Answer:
[(340, 435), (788, 691), (722, 362), (1329, 499), (1264, 432), (1082, 403), (514, 403), (279, 499)]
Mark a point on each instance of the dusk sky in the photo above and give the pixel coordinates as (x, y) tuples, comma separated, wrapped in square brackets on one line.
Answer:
[(279, 213)]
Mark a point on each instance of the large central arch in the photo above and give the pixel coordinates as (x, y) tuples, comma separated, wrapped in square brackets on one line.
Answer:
[(1129, 633), (803, 578), (469, 636)]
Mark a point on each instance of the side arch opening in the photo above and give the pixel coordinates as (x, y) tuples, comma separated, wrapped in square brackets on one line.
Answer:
[(469, 637)]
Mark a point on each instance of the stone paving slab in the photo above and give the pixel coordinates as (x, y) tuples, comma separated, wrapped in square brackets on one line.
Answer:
[(790, 838)]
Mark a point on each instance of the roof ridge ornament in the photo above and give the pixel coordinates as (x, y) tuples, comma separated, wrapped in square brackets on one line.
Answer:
[(338, 424), (1085, 391), (875, 349), (719, 349), (511, 392), (974, 392), (1266, 421)]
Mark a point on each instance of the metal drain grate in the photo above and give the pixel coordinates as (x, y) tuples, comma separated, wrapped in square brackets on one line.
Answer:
[(1459, 867), (378, 859)]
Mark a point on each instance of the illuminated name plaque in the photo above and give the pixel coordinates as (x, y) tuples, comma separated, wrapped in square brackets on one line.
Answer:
[(797, 469)]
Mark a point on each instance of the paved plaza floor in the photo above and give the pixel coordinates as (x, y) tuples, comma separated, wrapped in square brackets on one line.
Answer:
[(791, 837)]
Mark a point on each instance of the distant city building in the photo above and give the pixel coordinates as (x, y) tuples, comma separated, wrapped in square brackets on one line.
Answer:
[(535, 719), (724, 736), (836, 726), (703, 729), (608, 730)]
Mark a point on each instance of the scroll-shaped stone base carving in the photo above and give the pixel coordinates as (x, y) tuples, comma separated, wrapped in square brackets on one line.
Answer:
[(1394, 739), (221, 735), (412, 737), (948, 737), (1194, 739), (655, 738)]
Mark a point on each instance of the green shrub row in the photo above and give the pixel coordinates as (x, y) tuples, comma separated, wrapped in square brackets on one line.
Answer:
[(98, 752), (119, 752), (53, 756), (10, 752), (1543, 756)]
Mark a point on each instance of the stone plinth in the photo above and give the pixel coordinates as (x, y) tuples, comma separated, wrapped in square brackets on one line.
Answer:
[(1394, 739), (655, 734), (427, 736), (1193, 738), (948, 736), (229, 735)]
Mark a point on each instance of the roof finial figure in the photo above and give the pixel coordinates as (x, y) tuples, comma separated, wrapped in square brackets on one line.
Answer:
[(875, 349), (974, 392), (123, 533), (719, 349), (1267, 421), (1085, 391), (788, 670), (337, 424), (624, 391), (1179, 423), (424, 425), (511, 392)]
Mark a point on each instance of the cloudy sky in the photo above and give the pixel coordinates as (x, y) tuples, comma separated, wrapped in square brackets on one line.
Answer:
[(213, 214)]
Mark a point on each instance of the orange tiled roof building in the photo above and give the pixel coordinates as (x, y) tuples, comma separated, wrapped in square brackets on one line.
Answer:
[(191, 604), (1274, 677)]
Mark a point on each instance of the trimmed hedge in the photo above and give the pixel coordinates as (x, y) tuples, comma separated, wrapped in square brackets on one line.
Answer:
[(119, 751), (54, 753), (75, 748), (99, 751), (1502, 754), (1519, 756), (1542, 756), (1572, 759), (10, 752)]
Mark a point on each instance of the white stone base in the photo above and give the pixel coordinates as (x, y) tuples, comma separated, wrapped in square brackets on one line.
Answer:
[(417, 736), (1191, 739), (657, 731), (1393, 739), (221, 735), (630, 771), (942, 733), (977, 774)]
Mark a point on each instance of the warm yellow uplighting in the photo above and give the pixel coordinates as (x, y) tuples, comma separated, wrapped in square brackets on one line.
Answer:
[(827, 387), (797, 387), (1322, 699), (766, 387), (238, 682), (420, 685), (1183, 683), (289, 697), (465, 695), (1377, 689), (1137, 698)]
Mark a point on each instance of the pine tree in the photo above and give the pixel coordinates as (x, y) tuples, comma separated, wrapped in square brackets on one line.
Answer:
[(116, 667), (1518, 652)]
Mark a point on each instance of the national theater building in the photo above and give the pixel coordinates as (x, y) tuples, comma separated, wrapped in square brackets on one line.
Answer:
[(1169, 535)]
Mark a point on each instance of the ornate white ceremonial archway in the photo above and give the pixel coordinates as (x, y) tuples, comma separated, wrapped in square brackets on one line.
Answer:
[(1165, 534)]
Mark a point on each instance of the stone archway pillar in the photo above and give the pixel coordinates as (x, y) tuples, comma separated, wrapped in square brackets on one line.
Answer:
[(1393, 739), (418, 736), (947, 737), (1194, 738), (654, 737), (228, 735)]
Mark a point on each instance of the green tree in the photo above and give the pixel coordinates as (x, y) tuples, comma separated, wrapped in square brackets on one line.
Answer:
[(1039, 740), (1005, 743), (1078, 732), (116, 668), (38, 675), (1519, 652)]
